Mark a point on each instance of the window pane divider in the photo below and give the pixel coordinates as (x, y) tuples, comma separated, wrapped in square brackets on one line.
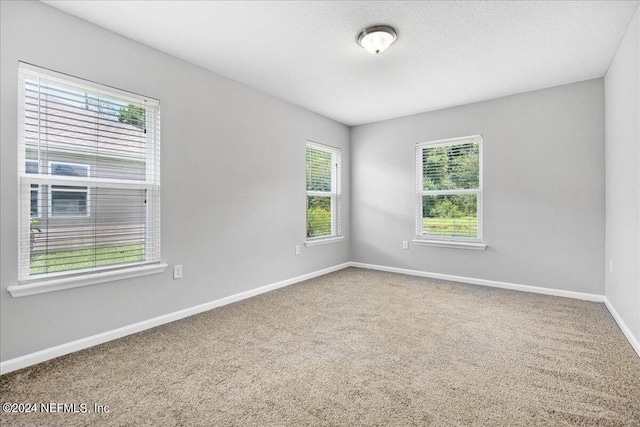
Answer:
[(88, 152), (72, 181), (320, 193)]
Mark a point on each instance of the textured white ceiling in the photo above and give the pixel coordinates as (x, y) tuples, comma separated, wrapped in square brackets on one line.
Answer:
[(448, 53)]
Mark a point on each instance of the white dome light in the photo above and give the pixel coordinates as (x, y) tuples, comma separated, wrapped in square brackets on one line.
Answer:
[(378, 38)]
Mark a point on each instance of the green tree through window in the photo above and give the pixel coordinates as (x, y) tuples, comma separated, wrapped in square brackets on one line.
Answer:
[(133, 115)]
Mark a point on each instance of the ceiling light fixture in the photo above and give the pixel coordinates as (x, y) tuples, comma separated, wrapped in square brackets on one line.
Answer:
[(377, 38)]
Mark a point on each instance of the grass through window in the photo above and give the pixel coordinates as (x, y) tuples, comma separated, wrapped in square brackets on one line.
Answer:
[(76, 259), (466, 226)]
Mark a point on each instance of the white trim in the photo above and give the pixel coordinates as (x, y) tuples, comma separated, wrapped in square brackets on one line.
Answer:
[(485, 282), (314, 193), (321, 146), (44, 286), (450, 141), (81, 84), (60, 350), (322, 241), (450, 244), (635, 343)]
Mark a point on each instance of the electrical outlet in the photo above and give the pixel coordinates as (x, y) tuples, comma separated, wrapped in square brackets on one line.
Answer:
[(177, 271), (297, 249), (405, 244), (610, 266)]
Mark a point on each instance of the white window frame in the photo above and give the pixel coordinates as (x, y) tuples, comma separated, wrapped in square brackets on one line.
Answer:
[(42, 283), (335, 196), (69, 190), (460, 242)]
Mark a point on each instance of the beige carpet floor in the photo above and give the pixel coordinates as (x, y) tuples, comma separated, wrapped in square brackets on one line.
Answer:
[(354, 347)]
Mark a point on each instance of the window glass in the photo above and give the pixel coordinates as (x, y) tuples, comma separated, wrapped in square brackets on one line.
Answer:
[(68, 201)]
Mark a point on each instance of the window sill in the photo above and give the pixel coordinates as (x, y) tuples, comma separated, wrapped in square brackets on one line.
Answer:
[(450, 244), (44, 286), (322, 241)]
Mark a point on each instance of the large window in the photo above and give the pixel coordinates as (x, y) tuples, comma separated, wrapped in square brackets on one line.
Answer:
[(449, 190), (89, 177), (323, 193)]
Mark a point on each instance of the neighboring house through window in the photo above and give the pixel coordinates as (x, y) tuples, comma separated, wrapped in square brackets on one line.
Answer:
[(89, 157), (449, 192), (323, 193), (68, 200)]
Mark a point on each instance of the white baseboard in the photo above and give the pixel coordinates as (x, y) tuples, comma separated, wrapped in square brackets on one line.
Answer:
[(623, 326), (484, 282), (60, 350)]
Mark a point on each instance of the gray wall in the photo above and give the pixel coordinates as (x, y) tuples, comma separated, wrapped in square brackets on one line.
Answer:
[(233, 182), (543, 189), (622, 107)]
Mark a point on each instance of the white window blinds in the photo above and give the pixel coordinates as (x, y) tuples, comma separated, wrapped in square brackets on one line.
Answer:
[(90, 156), (449, 190), (323, 191)]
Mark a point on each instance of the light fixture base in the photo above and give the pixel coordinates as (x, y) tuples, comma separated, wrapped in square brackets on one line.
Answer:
[(377, 38)]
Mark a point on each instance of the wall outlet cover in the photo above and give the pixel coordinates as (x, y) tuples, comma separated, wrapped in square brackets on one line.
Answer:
[(177, 271)]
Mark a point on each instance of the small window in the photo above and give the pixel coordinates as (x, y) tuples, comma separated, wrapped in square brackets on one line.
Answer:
[(323, 192), (449, 190)]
